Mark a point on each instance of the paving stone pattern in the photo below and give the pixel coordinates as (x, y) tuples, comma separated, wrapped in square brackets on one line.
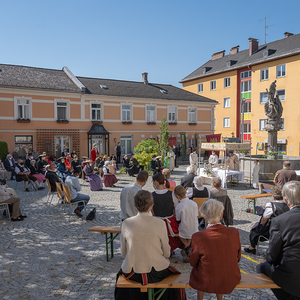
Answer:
[(50, 255)]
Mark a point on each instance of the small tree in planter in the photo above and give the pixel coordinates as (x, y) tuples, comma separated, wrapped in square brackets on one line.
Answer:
[(163, 139)]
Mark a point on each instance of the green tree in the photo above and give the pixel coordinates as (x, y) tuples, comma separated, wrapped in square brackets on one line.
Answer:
[(144, 150), (163, 139)]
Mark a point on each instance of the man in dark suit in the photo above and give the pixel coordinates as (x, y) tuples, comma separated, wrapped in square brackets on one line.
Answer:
[(9, 165), (187, 180), (283, 255)]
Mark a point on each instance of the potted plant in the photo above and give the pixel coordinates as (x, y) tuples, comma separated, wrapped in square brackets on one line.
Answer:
[(62, 121), (271, 152), (22, 120)]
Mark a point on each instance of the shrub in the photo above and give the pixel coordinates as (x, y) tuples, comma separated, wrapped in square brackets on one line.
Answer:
[(3, 150)]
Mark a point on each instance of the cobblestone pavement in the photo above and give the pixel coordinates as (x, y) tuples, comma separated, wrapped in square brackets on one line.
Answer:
[(52, 256)]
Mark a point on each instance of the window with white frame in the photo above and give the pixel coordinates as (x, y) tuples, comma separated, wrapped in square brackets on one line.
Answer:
[(150, 114), (213, 85), (246, 74), (263, 98), (264, 74), (172, 114), (226, 122), (192, 115), (96, 111), (281, 95), (246, 86), (126, 113), (262, 124), (200, 88), (226, 82), (23, 106), (62, 110), (280, 71), (226, 102)]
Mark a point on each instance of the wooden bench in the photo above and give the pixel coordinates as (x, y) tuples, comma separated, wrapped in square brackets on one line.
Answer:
[(248, 281), (111, 232), (253, 199)]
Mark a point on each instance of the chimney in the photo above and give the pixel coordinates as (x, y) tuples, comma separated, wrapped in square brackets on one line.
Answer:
[(234, 49), (287, 34), (219, 54), (253, 45), (145, 77)]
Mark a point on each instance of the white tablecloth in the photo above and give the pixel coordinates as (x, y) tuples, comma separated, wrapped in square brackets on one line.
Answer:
[(237, 175)]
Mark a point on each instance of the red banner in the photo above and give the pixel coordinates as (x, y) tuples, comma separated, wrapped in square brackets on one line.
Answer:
[(213, 138)]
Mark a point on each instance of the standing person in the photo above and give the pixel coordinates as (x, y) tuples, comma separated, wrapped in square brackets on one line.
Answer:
[(193, 159), (145, 249), (255, 174), (35, 155), (186, 212), (109, 179), (178, 150), (75, 187), (175, 155), (118, 150), (63, 172), (213, 159), (233, 162), (94, 179), (64, 153), (283, 255), (127, 196), (285, 175), (215, 254), (94, 152)]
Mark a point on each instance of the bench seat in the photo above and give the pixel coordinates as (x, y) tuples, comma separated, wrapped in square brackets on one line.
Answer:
[(253, 199)]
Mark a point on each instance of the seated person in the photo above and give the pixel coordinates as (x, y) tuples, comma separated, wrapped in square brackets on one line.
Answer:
[(153, 166), (73, 154), (136, 164), (164, 208), (52, 176), (94, 179), (23, 173), (187, 180), (76, 164), (3, 172), (9, 164), (63, 172), (6, 197), (129, 167), (28, 160), (75, 187), (68, 160), (186, 212), (215, 254), (144, 246), (109, 179), (199, 191), (113, 157), (272, 210), (167, 174), (33, 171), (42, 163)]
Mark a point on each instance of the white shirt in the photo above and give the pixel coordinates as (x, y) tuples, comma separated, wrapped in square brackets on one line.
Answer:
[(187, 213), (268, 209), (25, 169)]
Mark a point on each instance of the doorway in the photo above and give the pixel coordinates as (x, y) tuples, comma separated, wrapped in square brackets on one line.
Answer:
[(62, 142), (126, 144), (98, 140)]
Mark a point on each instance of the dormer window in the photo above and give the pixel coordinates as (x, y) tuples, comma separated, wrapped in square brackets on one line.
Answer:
[(228, 64), (266, 53), (204, 70), (103, 86)]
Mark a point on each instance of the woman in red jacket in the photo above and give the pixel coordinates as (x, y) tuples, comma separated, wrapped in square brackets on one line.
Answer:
[(215, 254)]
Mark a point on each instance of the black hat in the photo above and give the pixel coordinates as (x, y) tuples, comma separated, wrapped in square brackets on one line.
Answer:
[(153, 156)]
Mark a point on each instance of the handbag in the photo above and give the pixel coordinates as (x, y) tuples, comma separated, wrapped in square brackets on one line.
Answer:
[(92, 214)]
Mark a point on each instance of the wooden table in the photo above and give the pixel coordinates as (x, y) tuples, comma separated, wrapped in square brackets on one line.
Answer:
[(253, 199)]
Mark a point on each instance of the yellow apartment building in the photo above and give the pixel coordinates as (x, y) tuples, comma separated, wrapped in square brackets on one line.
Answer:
[(238, 82), (52, 110)]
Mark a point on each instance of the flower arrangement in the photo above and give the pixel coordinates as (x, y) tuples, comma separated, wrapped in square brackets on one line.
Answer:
[(271, 152), (208, 171)]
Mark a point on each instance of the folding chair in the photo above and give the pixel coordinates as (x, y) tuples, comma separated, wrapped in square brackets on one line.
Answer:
[(68, 200), (50, 193), (257, 246), (4, 207)]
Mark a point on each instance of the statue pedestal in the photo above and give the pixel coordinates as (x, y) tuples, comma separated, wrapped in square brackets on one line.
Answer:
[(272, 139)]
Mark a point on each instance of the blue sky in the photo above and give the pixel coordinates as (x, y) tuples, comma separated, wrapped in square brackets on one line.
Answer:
[(122, 39)]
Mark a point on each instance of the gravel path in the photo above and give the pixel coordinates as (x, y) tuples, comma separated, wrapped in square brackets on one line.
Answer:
[(52, 256)]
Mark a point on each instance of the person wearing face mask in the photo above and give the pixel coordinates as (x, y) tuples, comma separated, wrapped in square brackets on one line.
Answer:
[(94, 179), (76, 164), (42, 163), (9, 164), (28, 160), (73, 154), (3, 172), (52, 176), (23, 174), (94, 152), (63, 172)]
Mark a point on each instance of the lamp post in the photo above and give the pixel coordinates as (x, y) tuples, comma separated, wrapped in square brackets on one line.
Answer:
[(243, 108)]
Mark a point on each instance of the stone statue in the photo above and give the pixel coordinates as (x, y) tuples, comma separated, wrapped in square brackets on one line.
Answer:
[(273, 110)]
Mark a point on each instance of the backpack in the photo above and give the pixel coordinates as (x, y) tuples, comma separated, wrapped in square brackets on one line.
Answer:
[(92, 214)]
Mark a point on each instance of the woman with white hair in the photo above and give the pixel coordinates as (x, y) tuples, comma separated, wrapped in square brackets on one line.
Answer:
[(187, 180), (34, 172), (109, 179), (215, 254), (199, 191)]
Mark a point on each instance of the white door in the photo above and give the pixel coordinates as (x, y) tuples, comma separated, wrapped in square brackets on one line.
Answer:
[(62, 142)]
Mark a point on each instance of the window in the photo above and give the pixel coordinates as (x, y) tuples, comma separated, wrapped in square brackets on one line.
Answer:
[(265, 53), (262, 123), (192, 115), (96, 111), (264, 74), (200, 87), (61, 110), (281, 95), (24, 145), (226, 82), (246, 86), (203, 70), (213, 85), (247, 107), (263, 98), (215, 122), (280, 71), (226, 122), (150, 114), (172, 114), (246, 74), (126, 144), (23, 109), (126, 113), (226, 102)]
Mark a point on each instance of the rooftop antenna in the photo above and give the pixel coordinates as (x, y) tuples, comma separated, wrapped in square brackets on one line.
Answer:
[(266, 26)]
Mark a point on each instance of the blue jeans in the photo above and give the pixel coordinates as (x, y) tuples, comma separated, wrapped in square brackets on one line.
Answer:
[(79, 198)]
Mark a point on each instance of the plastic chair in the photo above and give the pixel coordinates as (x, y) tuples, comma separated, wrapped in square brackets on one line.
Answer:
[(4, 207)]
